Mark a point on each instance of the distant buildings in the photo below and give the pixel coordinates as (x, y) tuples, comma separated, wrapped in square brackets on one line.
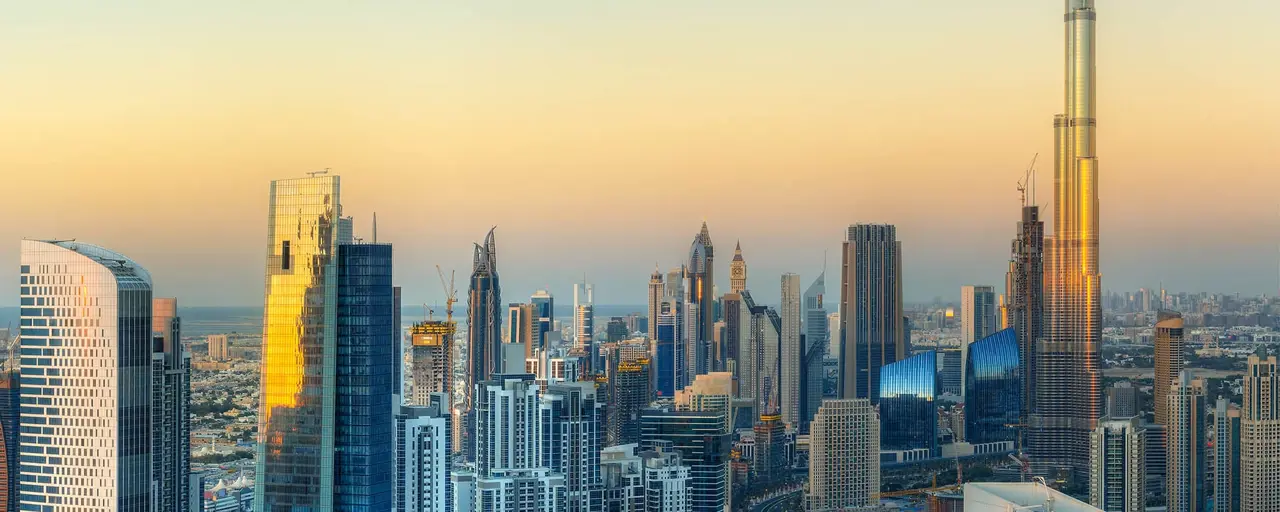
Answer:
[(993, 389), (1122, 400), (1117, 468), (1168, 360), (218, 347), (522, 327), (1260, 436), (737, 271), (870, 308), (791, 352), (844, 456), (977, 313), (1187, 489), (655, 301), (544, 306), (584, 320)]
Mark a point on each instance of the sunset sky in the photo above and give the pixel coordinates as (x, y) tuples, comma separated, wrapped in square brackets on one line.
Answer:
[(598, 136)]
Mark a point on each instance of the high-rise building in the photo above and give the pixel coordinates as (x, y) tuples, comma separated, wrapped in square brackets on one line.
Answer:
[(977, 313), (88, 311), (1259, 437), (1168, 360), (702, 439), (993, 389), (572, 435), (1226, 457), (424, 454), (737, 320), (510, 473), (655, 300), (364, 419), (522, 327), (908, 403), (628, 395), (844, 456), (295, 458), (1185, 443), (737, 271), (791, 353), (584, 323), (950, 371), (1117, 468), (761, 362), (10, 405), (431, 361), (833, 330), (1024, 294), (668, 480), (622, 471), (170, 409), (667, 351), (769, 465), (870, 308), (816, 341), (616, 330), (700, 309), (484, 330), (545, 308), (1122, 400), (1068, 379), (219, 349)]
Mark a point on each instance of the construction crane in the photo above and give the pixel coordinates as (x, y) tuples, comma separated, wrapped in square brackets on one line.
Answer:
[(450, 295), (1028, 182)]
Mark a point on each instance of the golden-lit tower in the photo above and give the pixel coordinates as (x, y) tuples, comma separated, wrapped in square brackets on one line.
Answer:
[(1068, 389), (737, 271)]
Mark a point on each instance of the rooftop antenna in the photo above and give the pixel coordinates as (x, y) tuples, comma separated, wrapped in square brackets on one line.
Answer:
[(375, 227)]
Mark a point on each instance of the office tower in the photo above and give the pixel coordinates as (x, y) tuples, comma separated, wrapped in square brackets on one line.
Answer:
[(218, 347), (668, 358), (791, 355), (674, 286), (655, 300), (424, 455), (1226, 456), (510, 474), (668, 479), (1259, 437), (1168, 360), (484, 330), (761, 366), (628, 395), (545, 308), (870, 308), (769, 465), (908, 407), (748, 359), (993, 389), (10, 403), (844, 456), (1117, 468), (616, 330), (950, 371), (431, 361), (522, 327), (816, 340), (1185, 446), (737, 320), (833, 330), (584, 327), (1068, 380), (622, 471), (77, 299), (1122, 400), (572, 434), (364, 426), (702, 439), (700, 311), (1157, 466), (977, 313), (170, 409)]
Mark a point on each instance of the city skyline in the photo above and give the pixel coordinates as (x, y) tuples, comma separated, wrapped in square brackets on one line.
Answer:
[(432, 128)]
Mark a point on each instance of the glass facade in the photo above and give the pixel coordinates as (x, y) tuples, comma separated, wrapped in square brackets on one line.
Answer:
[(364, 446), (484, 329), (908, 410), (699, 285), (86, 377), (545, 306), (665, 355), (299, 347), (703, 443), (993, 388), (870, 308)]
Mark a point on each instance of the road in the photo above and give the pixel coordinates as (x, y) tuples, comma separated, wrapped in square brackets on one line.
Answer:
[(777, 503), (1149, 373)]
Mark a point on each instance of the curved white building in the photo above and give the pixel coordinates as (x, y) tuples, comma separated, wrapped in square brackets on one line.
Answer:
[(86, 359)]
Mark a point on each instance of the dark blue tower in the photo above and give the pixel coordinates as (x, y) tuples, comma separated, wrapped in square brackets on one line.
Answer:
[(993, 389)]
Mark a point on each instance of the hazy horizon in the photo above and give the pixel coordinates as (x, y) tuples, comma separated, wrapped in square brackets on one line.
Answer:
[(598, 136)]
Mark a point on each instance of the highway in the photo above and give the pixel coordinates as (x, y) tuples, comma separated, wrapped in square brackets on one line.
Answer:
[(779, 503)]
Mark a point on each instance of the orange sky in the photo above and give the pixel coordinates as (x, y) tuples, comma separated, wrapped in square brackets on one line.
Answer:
[(597, 137)]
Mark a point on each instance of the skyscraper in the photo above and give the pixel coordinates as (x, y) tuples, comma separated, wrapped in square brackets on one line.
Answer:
[(1226, 457), (424, 454), (702, 439), (1168, 360), (584, 321), (870, 308), (628, 395), (908, 403), (977, 313), (791, 355), (737, 271), (736, 324), (299, 344), (622, 471), (1185, 446), (88, 311), (993, 389), (1068, 379), (769, 464), (816, 340), (700, 309), (484, 329), (511, 475), (522, 326), (1260, 437), (1122, 400), (655, 301), (759, 367), (1117, 469), (844, 456), (667, 478), (545, 308), (218, 347), (572, 435), (10, 404), (431, 361), (1024, 293), (170, 409)]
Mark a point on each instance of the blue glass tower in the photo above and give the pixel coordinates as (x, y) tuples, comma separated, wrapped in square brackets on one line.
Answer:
[(364, 447), (993, 388), (908, 412), (665, 355)]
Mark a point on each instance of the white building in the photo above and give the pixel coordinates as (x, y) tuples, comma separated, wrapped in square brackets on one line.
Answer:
[(1030, 497), (844, 456), (666, 479), (423, 458), (510, 472), (1117, 466), (1260, 437), (87, 311), (622, 471)]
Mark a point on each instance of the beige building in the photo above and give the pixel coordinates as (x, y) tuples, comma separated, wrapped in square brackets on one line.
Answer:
[(1169, 360), (844, 456), (1117, 466), (218, 347), (1186, 468), (1260, 438)]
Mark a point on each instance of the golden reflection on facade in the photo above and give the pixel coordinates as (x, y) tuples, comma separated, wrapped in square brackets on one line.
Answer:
[(295, 450)]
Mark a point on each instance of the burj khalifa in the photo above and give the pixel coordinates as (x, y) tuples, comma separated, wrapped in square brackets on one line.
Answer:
[(1068, 401)]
